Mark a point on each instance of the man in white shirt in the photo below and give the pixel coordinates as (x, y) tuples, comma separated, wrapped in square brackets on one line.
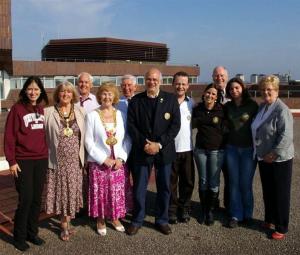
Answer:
[(86, 99), (183, 172)]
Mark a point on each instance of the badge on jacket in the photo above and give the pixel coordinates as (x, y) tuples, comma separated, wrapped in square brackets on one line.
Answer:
[(215, 120), (167, 116)]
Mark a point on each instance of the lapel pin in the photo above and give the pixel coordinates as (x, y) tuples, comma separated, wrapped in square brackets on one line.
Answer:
[(215, 120), (167, 115)]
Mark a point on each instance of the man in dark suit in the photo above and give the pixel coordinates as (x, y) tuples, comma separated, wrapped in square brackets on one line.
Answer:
[(153, 121)]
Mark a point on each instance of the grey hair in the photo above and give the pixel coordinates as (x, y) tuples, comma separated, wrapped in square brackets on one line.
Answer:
[(157, 70), (89, 75), (129, 77), (225, 69)]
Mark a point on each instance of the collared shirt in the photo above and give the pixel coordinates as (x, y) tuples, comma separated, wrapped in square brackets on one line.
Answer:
[(123, 105), (224, 98), (153, 96), (89, 103), (183, 140)]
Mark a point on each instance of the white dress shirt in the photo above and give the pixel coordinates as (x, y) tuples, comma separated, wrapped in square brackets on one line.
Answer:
[(89, 104), (183, 140)]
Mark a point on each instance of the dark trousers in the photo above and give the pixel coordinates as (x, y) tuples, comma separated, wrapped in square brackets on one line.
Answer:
[(226, 184), (276, 186), (130, 162), (29, 185), (182, 182), (140, 176)]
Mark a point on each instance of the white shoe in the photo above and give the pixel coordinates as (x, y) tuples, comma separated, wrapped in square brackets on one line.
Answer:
[(120, 228), (102, 231)]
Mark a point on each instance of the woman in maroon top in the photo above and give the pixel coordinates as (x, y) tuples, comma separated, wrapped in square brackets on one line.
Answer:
[(27, 154)]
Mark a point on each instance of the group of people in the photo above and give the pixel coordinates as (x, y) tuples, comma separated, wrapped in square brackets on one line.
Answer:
[(86, 147)]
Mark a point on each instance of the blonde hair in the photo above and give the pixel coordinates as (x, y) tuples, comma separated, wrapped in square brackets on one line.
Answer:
[(110, 87), (272, 80), (62, 86)]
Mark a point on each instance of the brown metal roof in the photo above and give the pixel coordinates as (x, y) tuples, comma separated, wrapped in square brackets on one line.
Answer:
[(104, 39)]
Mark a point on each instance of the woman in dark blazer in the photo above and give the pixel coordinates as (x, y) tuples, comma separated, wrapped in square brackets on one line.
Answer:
[(272, 132)]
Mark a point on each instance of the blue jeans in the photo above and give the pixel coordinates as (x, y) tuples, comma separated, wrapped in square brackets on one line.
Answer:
[(241, 169), (209, 163)]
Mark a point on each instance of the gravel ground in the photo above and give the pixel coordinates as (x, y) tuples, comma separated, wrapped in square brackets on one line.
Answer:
[(191, 238)]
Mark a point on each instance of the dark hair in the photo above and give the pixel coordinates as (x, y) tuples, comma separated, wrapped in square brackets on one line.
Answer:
[(180, 73), (214, 86), (43, 96), (245, 92)]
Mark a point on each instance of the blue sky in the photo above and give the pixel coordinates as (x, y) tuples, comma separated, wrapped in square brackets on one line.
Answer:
[(246, 36)]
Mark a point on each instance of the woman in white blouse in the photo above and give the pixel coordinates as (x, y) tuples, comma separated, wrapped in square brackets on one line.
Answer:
[(108, 146)]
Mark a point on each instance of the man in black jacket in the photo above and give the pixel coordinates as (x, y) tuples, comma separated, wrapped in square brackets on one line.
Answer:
[(153, 121)]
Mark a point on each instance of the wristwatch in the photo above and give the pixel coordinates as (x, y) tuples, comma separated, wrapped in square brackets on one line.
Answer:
[(121, 160)]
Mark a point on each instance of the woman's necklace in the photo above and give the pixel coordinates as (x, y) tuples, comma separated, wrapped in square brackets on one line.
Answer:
[(66, 118), (111, 139)]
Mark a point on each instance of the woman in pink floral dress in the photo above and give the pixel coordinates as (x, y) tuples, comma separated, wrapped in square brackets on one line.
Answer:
[(65, 135), (107, 146)]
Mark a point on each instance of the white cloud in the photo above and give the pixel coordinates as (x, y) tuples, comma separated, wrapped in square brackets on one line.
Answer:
[(79, 7), (76, 18)]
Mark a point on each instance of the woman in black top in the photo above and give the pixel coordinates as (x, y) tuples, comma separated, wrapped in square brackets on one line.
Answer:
[(240, 112), (208, 118)]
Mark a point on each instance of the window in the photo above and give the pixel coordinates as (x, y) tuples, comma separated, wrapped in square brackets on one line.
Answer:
[(167, 80), (49, 82), (60, 79), (96, 81), (170, 80), (140, 80), (15, 83), (112, 79), (193, 80)]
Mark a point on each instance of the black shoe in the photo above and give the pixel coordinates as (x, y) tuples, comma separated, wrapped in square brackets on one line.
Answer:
[(21, 246), (233, 223), (132, 230), (185, 217), (173, 220), (248, 222), (209, 218), (36, 240), (164, 228)]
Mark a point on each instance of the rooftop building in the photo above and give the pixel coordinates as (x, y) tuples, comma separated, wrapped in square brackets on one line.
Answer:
[(105, 50)]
